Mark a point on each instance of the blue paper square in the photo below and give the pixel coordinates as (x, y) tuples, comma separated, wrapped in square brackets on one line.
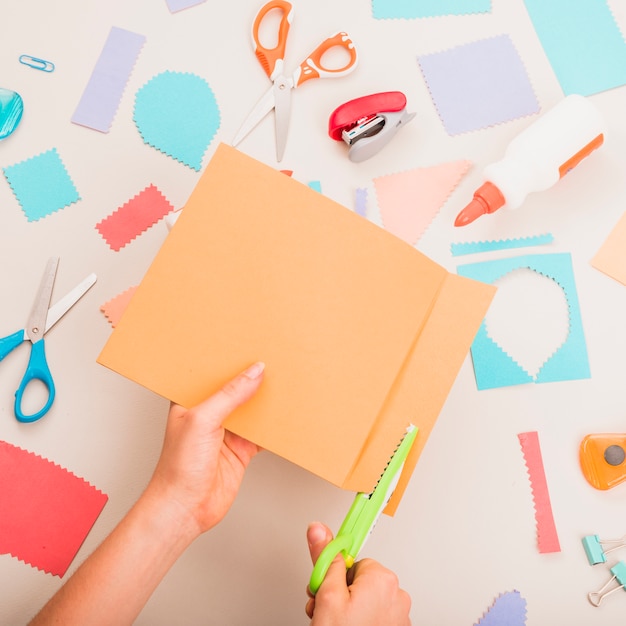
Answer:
[(407, 9), (41, 184), (493, 367)]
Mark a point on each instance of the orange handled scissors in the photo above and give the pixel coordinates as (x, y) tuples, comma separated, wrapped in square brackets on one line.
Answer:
[(278, 96)]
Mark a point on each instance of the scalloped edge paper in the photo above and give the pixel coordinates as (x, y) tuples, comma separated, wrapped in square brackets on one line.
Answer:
[(41, 184), (547, 537), (493, 367), (47, 511), (134, 217), (409, 201), (475, 247), (114, 308), (101, 98), (457, 84), (508, 609), (168, 110), (410, 9)]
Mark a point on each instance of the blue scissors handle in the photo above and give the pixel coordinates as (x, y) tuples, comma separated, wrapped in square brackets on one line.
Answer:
[(10, 342), (37, 369)]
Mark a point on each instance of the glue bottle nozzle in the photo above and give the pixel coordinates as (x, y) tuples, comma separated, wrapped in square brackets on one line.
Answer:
[(487, 199)]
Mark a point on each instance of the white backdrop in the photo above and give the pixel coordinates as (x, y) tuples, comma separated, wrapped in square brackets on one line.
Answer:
[(465, 531)]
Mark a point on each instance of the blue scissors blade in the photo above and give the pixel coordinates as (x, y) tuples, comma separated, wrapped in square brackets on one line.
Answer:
[(36, 325), (262, 108)]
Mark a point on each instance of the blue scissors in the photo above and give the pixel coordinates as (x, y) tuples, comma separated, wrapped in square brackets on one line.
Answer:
[(41, 319)]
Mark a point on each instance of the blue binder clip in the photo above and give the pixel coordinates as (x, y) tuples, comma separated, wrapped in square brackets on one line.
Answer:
[(618, 581), (596, 550)]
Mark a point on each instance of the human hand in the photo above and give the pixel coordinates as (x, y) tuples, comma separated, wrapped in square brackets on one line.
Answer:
[(367, 594), (202, 465)]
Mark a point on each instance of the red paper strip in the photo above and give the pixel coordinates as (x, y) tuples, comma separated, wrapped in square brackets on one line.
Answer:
[(547, 538), (134, 217), (45, 511)]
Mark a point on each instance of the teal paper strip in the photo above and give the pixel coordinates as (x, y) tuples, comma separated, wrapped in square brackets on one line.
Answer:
[(473, 247)]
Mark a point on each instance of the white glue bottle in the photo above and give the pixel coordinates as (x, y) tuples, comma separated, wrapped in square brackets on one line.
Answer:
[(538, 157)]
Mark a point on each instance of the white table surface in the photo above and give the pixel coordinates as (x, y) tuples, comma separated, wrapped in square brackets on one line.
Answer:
[(465, 531)]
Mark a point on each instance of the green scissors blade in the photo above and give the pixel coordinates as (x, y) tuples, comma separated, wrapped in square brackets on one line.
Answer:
[(363, 515)]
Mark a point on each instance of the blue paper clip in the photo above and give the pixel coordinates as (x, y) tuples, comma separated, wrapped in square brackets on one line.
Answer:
[(596, 550), (38, 64), (619, 577)]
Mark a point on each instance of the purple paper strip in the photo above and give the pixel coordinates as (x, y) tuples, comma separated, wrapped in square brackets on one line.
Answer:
[(101, 98), (179, 5)]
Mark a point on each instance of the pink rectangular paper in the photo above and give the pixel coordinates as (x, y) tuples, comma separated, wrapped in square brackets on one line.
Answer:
[(46, 511), (134, 217)]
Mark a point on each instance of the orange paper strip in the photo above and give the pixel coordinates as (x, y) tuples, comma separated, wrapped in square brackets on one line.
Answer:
[(115, 307)]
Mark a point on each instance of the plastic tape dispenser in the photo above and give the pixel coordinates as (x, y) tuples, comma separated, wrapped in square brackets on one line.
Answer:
[(603, 460), (11, 109), (367, 124)]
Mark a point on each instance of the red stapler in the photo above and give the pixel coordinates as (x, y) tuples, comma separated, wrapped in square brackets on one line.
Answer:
[(368, 123)]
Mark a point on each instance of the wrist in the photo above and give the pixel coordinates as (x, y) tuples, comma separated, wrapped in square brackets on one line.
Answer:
[(169, 517)]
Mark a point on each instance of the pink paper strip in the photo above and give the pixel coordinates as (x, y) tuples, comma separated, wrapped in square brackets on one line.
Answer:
[(46, 511), (115, 307), (134, 217), (547, 538)]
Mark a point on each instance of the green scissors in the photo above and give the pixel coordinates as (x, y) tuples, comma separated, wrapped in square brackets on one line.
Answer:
[(363, 515), (39, 322)]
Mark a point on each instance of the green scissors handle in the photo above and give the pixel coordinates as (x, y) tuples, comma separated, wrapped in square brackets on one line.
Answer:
[(340, 544)]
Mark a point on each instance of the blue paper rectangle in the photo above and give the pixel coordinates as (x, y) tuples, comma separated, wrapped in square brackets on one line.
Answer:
[(582, 42)]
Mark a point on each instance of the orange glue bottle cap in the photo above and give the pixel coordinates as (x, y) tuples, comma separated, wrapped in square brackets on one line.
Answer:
[(487, 199)]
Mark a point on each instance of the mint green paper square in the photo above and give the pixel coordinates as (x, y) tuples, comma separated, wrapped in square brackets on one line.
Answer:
[(41, 184)]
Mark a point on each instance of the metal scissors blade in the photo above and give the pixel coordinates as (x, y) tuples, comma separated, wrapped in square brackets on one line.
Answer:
[(262, 108), (36, 325), (282, 112), (60, 308)]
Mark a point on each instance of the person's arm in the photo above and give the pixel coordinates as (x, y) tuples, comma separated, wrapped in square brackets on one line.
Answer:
[(193, 486), (367, 594)]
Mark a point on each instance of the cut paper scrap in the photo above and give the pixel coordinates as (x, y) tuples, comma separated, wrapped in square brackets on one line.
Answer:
[(547, 538), (583, 43), (408, 201), (177, 114), (474, 247), (41, 184), (493, 367), (179, 5), (479, 84), (316, 185), (134, 217), (47, 512), (611, 257), (103, 93), (348, 319), (360, 201), (115, 307), (508, 609), (409, 9)]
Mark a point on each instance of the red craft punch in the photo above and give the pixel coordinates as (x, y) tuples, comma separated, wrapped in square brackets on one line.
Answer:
[(367, 124)]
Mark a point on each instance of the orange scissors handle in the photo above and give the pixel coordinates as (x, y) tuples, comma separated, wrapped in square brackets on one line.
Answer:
[(271, 59), (312, 66)]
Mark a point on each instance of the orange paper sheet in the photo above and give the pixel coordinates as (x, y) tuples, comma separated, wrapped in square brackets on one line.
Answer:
[(611, 257), (361, 333)]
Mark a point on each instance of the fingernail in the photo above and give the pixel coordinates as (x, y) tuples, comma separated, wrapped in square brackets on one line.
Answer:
[(254, 371)]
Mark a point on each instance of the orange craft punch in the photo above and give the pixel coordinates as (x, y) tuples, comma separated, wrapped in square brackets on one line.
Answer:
[(603, 460), (367, 124)]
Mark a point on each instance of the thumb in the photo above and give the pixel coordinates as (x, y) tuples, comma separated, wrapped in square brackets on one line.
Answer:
[(318, 537)]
